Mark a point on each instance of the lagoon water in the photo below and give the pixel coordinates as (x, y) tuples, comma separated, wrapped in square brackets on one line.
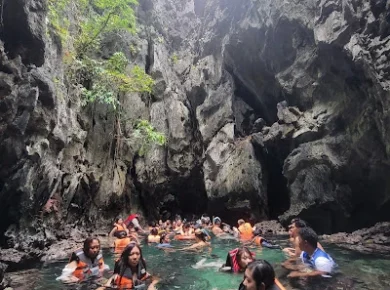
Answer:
[(199, 270)]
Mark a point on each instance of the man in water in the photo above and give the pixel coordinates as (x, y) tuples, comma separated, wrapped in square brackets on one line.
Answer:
[(132, 221), (217, 227), (312, 256), (293, 229), (84, 263)]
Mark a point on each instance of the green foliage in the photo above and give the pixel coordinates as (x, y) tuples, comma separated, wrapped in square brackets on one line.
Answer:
[(96, 80), (110, 79), (90, 20), (118, 62), (148, 136), (133, 49), (160, 39), (174, 58)]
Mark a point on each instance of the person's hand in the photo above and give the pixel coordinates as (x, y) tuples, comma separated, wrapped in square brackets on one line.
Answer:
[(294, 274)]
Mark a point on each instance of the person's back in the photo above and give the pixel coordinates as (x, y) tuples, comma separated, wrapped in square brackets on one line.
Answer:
[(245, 229), (119, 245), (319, 260)]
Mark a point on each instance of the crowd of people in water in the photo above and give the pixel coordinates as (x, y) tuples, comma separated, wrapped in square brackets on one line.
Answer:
[(305, 258)]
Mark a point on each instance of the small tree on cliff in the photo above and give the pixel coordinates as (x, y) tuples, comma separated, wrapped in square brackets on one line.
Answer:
[(96, 80)]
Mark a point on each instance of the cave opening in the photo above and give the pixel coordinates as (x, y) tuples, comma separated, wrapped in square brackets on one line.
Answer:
[(247, 109)]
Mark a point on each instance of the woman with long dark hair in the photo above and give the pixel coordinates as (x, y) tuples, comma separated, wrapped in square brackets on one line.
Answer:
[(259, 275), (131, 271)]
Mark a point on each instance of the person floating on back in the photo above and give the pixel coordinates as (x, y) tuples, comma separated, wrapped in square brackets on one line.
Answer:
[(312, 256), (258, 240), (84, 263)]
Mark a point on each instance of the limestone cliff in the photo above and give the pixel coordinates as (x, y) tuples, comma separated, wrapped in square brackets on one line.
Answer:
[(271, 108)]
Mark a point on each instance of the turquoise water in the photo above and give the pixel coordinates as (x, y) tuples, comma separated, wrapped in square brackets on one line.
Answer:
[(199, 270)]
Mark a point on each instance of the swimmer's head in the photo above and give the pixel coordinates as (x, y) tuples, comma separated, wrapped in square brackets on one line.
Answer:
[(258, 232), (295, 225), (259, 275), (244, 257), (91, 247), (200, 235), (164, 239), (240, 222), (122, 235), (217, 221), (154, 232), (308, 239)]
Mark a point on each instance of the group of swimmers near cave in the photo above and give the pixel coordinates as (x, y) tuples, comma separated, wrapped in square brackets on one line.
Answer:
[(305, 258)]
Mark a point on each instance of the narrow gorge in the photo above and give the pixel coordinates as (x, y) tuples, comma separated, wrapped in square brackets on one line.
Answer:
[(271, 109)]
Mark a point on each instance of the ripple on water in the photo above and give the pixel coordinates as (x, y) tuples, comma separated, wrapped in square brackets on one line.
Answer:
[(199, 271)]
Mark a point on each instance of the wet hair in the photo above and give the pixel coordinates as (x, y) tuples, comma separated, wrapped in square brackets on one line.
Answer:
[(309, 235), (154, 232), (162, 237), (121, 234), (262, 272), (257, 232), (87, 243), (201, 235), (241, 252), (123, 262), (299, 223)]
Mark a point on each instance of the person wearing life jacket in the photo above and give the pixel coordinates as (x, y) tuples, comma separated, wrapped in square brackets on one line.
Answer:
[(237, 260), (245, 229), (120, 244), (132, 221), (84, 263), (131, 271), (258, 240), (259, 275), (320, 263), (154, 236), (119, 226), (216, 230), (293, 253)]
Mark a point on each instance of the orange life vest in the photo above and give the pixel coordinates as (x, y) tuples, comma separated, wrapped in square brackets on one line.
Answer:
[(120, 245), (258, 240), (126, 281), (85, 266), (120, 228), (246, 231)]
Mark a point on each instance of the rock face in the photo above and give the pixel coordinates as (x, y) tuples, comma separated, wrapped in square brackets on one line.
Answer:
[(370, 240), (270, 108)]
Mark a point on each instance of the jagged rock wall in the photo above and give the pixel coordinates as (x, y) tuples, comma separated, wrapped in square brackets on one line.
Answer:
[(306, 82), (270, 108)]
